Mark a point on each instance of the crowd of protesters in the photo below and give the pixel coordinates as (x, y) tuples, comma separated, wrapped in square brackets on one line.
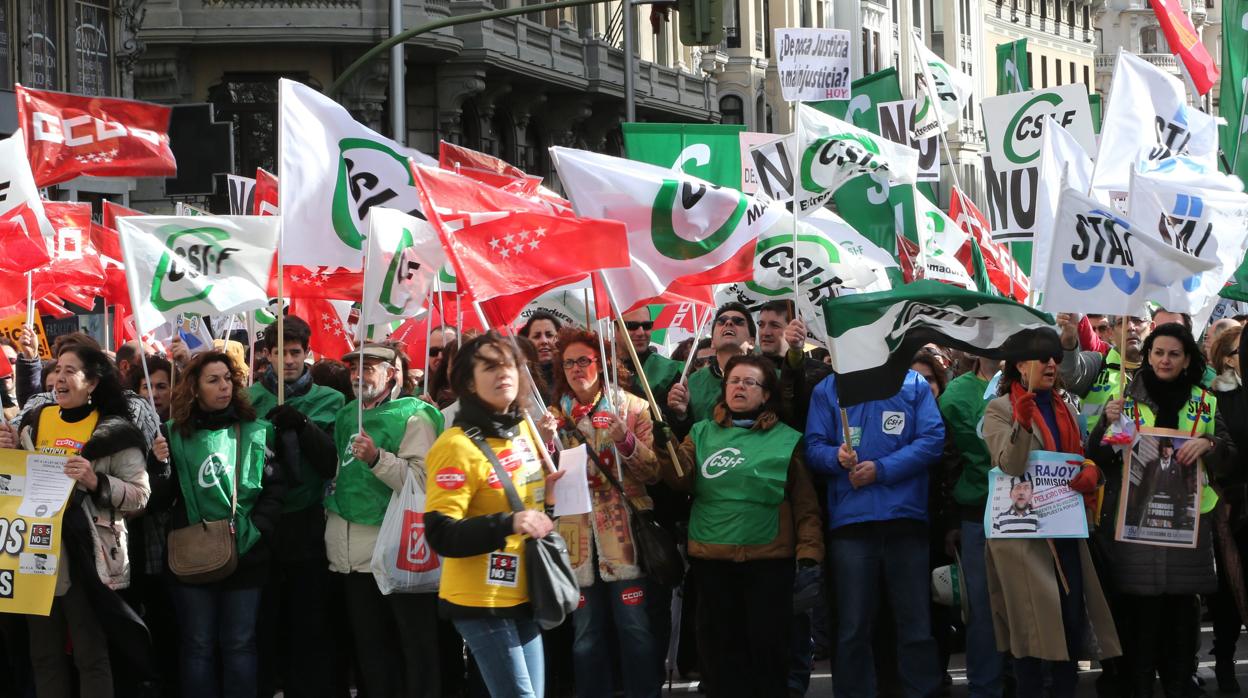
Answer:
[(810, 529)]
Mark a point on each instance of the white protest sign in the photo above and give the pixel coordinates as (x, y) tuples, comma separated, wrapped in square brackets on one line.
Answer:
[(749, 141), (813, 63), (1014, 127), (897, 125)]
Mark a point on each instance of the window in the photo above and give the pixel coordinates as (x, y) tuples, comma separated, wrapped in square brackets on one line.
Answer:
[(91, 63), (868, 66), (1044, 71), (1148, 40), (1086, 81), (40, 59), (1031, 76), (1057, 72), (249, 102), (732, 24), (6, 55), (1072, 72), (1044, 11), (731, 110), (916, 15), (1085, 18)]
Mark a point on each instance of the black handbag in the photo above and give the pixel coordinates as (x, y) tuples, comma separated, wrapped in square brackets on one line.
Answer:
[(553, 591), (656, 548)]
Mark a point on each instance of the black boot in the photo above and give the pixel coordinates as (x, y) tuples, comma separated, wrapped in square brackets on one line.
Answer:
[(1224, 670)]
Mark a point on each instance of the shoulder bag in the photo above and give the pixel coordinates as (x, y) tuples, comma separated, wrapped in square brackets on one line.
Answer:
[(207, 552)]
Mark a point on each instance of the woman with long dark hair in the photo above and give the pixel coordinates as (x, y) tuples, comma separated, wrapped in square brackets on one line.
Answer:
[(542, 329), (217, 448), (88, 422), (1158, 604)]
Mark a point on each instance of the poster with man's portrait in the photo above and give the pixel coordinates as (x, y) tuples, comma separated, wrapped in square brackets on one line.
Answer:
[(1038, 503), (1160, 499)]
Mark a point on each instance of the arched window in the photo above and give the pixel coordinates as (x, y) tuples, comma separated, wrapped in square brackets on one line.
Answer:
[(732, 110), (1148, 40)]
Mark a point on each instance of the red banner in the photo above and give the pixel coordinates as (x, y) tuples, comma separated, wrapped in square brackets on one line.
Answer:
[(71, 135), (1186, 44)]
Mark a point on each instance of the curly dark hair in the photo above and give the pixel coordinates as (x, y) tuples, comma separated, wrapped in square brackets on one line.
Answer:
[(184, 403), (1195, 373), (568, 337), (108, 396)]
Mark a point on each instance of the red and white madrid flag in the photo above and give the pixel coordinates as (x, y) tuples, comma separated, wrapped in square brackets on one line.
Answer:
[(70, 135)]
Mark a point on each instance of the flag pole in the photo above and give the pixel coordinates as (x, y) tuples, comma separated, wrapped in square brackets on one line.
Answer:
[(641, 373), (30, 299), (251, 345), (362, 334), (280, 369), (1239, 133), (133, 291), (428, 334), (797, 128), (699, 328), (107, 342)]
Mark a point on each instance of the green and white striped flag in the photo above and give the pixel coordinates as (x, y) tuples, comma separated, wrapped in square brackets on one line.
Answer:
[(873, 337)]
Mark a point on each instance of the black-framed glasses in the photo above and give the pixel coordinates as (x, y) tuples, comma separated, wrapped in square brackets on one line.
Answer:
[(646, 325), (734, 320), (747, 382), (583, 362), (434, 352)]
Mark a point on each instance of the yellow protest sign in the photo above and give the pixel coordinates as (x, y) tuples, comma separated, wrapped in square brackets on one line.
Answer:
[(33, 493), (11, 327)]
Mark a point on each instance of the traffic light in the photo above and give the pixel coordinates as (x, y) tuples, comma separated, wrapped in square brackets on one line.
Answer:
[(701, 22)]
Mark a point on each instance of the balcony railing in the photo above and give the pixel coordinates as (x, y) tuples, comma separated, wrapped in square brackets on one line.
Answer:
[(1165, 61)]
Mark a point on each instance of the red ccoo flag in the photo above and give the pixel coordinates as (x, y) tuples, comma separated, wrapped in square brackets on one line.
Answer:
[(70, 135), (1186, 44)]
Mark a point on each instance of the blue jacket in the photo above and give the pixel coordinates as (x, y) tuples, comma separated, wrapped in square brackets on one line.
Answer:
[(904, 435)]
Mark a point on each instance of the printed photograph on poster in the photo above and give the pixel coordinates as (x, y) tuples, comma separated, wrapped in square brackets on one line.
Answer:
[(1160, 499), (1039, 503)]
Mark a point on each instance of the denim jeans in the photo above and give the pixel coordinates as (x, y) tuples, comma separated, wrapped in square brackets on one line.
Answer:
[(985, 666), (890, 556), (622, 604), (508, 652), (214, 622)]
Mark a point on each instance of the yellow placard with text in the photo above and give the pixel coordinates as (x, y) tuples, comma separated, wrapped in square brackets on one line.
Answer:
[(33, 493), (11, 327)]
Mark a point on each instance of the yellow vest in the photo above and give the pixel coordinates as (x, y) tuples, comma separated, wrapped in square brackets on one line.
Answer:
[(61, 438)]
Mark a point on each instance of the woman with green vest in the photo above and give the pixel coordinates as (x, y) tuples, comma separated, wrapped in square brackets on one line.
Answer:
[(222, 469), (755, 519), (1158, 610)]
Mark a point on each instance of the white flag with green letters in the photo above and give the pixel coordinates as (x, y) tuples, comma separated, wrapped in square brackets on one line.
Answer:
[(404, 258)]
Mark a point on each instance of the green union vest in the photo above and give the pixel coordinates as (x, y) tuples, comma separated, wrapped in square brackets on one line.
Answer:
[(357, 495), (1196, 419), (205, 465), (740, 482), (1107, 387), (320, 405), (662, 372), (704, 391)]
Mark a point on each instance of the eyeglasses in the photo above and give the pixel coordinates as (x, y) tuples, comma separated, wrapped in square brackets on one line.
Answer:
[(583, 362), (639, 325), (734, 320), (747, 382)]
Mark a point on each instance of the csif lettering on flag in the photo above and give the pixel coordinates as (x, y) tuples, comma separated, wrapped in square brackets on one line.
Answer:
[(942, 91), (1103, 263), (208, 265), (332, 170), (941, 239), (404, 258), (69, 135)]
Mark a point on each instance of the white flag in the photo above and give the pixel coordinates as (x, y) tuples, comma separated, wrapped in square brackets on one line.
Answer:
[(1103, 264), (196, 264), (940, 106), (941, 239), (1147, 117), (1062, 159), (405, 255), (331, 171), (17, 187), (877, 258), (1207, 223)]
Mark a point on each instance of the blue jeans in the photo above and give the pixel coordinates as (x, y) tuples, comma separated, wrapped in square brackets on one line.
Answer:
[(892, 556), (984, 664), (622, 604), (217, 621), (508, 652)]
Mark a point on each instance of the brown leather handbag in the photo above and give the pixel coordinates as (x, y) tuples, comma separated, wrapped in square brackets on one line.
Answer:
[(206, 552)]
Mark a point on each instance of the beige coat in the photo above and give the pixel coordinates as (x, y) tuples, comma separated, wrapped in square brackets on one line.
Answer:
[(1022, 582)]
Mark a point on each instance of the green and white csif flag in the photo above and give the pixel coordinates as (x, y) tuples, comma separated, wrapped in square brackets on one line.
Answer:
[(941, 239), (874, 336), (1013, 69), (1231, 104), (405, 256), (832, 152), (332, 170), (942, 92), (708, 151), (209, 265)]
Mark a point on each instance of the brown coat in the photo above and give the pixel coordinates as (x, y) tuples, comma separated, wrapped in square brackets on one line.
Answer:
[(1022, 583), (801, 529)]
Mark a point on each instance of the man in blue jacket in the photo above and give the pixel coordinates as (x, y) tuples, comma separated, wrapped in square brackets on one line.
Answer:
[(877, 515)]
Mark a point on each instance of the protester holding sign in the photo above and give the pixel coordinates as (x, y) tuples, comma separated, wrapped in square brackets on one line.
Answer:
[(88, 423), (1046, 598), (222, 471), (1158, 611), (1094, 377), (617, 427), (754, 516)]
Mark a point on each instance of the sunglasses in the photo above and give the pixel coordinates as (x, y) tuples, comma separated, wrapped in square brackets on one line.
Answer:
[(434, 352), (703, 361), (646, 325), (730, 320)]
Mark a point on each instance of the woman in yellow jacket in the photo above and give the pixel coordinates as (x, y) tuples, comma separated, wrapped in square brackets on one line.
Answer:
[(470, 523)]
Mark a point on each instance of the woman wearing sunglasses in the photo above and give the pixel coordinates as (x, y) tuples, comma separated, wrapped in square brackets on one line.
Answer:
[(616, 427), (755, 519)]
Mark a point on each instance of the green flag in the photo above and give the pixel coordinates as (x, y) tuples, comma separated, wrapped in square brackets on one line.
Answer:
[(709, 151), (1234, 81), (1013, 71), (1094, 102)]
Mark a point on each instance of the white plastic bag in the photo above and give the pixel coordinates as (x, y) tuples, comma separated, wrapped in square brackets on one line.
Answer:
[(403, 561)]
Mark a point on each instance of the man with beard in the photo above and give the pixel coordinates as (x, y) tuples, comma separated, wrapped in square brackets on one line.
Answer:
[(694, 401), (1095, 378), (396, 636)]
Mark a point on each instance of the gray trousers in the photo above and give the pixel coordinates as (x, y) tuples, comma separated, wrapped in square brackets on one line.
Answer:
[(71, 615)]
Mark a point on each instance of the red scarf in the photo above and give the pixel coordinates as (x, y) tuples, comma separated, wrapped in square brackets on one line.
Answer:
[(1069, 439)]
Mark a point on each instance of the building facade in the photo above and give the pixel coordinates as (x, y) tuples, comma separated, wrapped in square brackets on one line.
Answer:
[(1132, 26)]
